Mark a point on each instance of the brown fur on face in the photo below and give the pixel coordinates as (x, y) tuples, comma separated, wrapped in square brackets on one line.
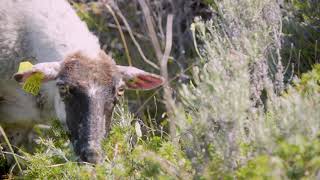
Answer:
[(87, 88), (79, 69)]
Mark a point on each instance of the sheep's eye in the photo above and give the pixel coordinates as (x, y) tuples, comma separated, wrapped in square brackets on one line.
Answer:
[(63, 88), (120, 91)]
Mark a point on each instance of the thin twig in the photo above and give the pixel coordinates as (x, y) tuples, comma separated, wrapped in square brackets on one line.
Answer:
[(163, 61), (169, 102), (14, 154), (193, 30), (121, 33), (109, 25), (125, 22), (10, 147), (63, 164), (151, 30), (138, 35), (158, 90), (165, 57), (12, 168), (115, 151)]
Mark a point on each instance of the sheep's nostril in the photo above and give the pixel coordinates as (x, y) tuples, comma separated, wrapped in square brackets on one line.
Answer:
[(91, 156), (18, 77)]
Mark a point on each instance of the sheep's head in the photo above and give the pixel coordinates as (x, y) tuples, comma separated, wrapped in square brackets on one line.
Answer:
[(88, 91)]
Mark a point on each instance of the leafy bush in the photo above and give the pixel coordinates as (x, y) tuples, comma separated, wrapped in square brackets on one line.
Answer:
[(237, 118), (125, 157), (301, 26), (298, 160), (225, 132), (310, 82)]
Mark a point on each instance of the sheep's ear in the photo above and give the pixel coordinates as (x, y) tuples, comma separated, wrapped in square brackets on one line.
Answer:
[(135, 78), (50, 70)]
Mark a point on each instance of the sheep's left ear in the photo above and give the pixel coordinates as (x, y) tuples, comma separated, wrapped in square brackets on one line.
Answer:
[(135, 78), (50, 70)]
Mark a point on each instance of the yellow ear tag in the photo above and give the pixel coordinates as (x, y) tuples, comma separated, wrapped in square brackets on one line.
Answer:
[(33, 83), (25, 66)]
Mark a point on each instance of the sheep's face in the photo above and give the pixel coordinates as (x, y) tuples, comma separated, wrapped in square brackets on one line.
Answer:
[(88, 91)]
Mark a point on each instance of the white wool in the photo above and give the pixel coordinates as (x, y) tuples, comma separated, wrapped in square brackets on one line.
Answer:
[(40, 31), (60, 108), (94, 89), (17, 107), (54, 30)]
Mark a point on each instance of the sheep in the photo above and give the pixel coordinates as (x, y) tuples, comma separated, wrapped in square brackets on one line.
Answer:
[(81, 83)]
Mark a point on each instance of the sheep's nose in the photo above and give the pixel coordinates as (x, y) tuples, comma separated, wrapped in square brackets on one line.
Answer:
[(91, 155)]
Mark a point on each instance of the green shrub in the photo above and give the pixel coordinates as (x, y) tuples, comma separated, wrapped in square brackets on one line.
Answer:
[(301, 27), (242, 64), (295, 160), (154, 157), (310, 81), (237, 119)]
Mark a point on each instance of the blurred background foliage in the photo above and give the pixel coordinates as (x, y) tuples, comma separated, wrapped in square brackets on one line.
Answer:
[(301, 24), (245, 80)]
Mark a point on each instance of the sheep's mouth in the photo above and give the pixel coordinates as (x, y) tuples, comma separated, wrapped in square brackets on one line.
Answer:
[(87, 120)]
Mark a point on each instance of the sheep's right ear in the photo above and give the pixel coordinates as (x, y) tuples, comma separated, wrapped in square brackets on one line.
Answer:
[(135, 78), (50, 70)]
